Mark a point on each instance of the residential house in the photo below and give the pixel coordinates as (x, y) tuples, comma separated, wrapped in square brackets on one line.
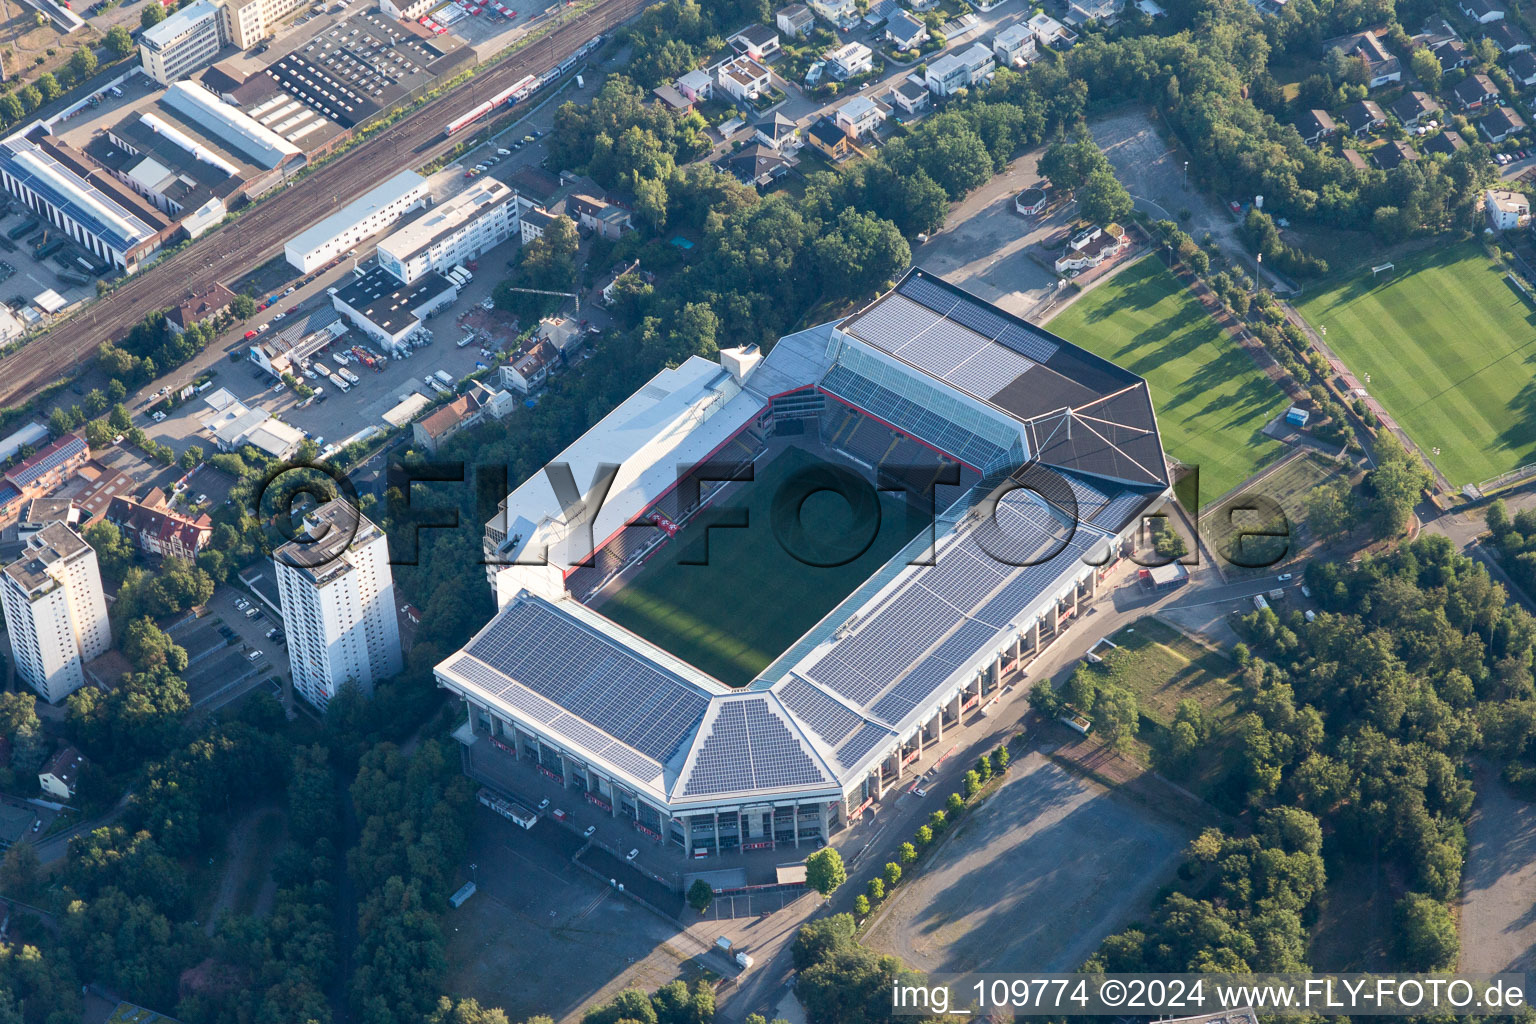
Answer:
[(1500, 123), (1394, 153), (1315, 126), (619, 272), (779, 133), (1509, 37), (1414, 106), (1506, 210), (1382, 66), (531, 368), (61, 774), (922, 6), (1354, 159), (563, 332), (1364, 117), (1050, 32), (1474, 92), (1090, 248), (49, 466), (607, 220), (446, 420), (910, 96), (828, 139), (861, 116), (1451, 53), (157, 528), (756, 41), (744, 79), (1482, 11), (1105, 12), (1014, 46), (697, 86), (534, 223), (879, 12), (494, 404), (905, 32), (795, 20), (1522, 68), (756, 164), (842, 14), (1445, 143), (209, 302), (955, 71), (672, 99), (849, 61)]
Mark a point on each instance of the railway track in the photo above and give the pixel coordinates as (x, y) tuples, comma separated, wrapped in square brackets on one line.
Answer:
[(252, 239)]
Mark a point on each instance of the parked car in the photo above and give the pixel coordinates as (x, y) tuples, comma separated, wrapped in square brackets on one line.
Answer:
[(590, 829), (632, 854), (253, 656)]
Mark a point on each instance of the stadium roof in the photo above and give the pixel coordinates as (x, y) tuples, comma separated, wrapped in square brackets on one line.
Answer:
[(229, 124), (1068, 447)]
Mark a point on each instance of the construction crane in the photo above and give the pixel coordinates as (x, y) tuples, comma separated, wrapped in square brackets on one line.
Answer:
[(540, 291)]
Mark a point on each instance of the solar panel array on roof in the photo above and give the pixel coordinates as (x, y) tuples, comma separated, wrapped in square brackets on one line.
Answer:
[(860, 744), (948, 437), (774, 756), (1120, 509), (593, 677), (978, 316), (948, 350), (930, 672), (829, 719)]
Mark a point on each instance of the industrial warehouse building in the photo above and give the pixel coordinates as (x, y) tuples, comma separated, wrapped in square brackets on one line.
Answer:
[(358, 221), (390, 312), (1052, 455), (93, 208)]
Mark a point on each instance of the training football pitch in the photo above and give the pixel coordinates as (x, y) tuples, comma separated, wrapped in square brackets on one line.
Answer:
[(1450, 346), (732, 616), (1212, 401)]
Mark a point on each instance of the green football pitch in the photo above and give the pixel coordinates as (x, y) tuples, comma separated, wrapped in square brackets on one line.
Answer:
[(1212, 401), (1450, 346), (753, 597)]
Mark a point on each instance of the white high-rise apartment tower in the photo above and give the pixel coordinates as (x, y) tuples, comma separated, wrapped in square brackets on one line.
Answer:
[(55, 611), (338, 600)]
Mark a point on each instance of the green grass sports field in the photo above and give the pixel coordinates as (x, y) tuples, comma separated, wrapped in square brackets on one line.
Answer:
[(1450, 346), (732, 616), (1211, 400)]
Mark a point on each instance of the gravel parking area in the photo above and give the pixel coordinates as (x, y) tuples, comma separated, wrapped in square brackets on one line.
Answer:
[(1046, 849), (1498, 908)]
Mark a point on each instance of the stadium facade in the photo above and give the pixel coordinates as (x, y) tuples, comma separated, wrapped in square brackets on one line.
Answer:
[(1054, 455)]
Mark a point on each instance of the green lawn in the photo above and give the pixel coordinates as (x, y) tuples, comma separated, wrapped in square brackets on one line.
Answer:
[(1211, 400), (1450, 347), (732, 616)]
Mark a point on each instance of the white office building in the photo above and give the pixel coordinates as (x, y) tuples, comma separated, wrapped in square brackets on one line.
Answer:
[(181, 43), (358, 221), (338, 601), (55, 611), (248, 22), (461, 229)]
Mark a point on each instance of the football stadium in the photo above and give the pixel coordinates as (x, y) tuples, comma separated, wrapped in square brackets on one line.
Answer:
[(740, 606)]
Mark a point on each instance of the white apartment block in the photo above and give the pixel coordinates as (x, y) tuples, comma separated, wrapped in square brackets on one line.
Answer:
[(357, 222), (55, 611), (955, 71), (338, 601), (461, 229), (1014, 45), (849, 61), (181, 43), (247, 22)]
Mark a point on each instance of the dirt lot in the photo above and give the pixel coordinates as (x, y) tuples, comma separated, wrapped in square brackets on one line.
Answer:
[(1498, 909), (533, 909), (984, 244), (1047, 848)]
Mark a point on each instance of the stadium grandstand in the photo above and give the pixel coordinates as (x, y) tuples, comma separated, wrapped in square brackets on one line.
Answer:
[(1038, 457)]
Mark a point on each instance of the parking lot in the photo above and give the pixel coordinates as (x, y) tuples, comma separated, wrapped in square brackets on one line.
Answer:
[(534, 908), (984, 244), (220, 668), (28, 276), (1047, 847)]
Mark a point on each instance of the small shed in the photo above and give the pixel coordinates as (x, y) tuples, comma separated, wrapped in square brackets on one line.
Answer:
[(1296, 416)]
